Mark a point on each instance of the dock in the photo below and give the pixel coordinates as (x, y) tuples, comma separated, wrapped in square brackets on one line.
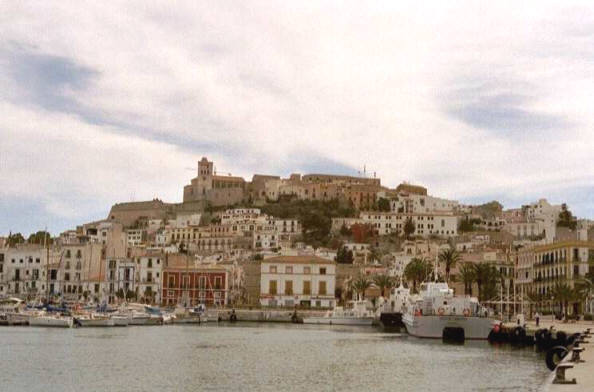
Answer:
[(582, 371)]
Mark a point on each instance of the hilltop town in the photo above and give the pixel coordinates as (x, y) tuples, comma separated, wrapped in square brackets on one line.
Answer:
[(305, 241)]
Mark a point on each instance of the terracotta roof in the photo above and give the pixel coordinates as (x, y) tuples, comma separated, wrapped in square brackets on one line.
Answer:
[(298, 260)]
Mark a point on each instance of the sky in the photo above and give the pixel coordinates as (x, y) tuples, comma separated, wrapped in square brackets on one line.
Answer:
[(105, 102)]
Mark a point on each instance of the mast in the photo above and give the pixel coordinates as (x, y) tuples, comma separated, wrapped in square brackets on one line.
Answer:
[(46, 266)]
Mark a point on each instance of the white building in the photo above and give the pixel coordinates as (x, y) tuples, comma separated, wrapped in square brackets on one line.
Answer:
[(135, 237), (297, 280), (149, 279), (425, 224), (412, 203)]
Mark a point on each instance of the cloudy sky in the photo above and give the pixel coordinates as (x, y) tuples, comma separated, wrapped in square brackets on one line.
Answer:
[(103, 102)]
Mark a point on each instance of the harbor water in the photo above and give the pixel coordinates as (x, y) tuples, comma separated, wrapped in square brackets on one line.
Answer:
[(256, 357)]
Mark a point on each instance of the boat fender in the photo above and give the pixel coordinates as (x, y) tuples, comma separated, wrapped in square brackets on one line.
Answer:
[(466, 312), (441, 311), (561, 338), (554, 356), (519, 333)]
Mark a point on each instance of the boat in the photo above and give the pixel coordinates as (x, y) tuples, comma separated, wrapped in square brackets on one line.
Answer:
[(51, 321), (437, 313), (390, 309), (120, 320), (356, 313), (93, 320)]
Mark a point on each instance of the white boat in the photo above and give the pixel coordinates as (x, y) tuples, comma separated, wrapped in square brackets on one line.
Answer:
[(437, 313), (10, 304), (389, 310), (120, 320), (93, 320), (51, 321), (356, 313)]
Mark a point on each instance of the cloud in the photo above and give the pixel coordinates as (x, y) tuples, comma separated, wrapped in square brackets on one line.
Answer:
[(104, 102)]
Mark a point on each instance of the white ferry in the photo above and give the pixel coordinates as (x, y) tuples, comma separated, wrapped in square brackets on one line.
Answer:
[(437, 313)]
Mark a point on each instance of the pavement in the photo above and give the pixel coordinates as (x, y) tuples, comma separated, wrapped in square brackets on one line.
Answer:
[(583, 372)]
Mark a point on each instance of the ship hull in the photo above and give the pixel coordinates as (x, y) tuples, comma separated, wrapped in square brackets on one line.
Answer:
[(475, 328), (338, 320)]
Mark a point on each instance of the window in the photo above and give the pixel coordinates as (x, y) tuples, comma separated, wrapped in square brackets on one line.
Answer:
[(96, 287), (272, 287), (218, 283), (37, 260), (306, 287), (289, 287), (323, 271), (272, 269), (288, 269), (202, 282), (307, 270), (150, 263), (322, 288), (186, 282), (172, 281)]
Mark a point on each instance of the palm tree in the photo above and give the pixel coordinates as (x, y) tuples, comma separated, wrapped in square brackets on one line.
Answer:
[(563, 294), (360, 285), (383, 282), (416, 270), (450, 257), (583, 291), (468, 276), (486, 276)]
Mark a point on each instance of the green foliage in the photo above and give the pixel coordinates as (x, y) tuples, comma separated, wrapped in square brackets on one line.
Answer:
[(360, 285), (566, 218), (487, 278), (383, 204), (489, 210), (14, 239), (40, 237), (468, 276), (344, 256), (409, 227), (345, 231), (383, 282), (315, 216), (588, 316), (450, 257), (417, 271)]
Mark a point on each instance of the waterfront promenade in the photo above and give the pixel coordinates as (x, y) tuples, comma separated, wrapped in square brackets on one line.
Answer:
[(583, 372)]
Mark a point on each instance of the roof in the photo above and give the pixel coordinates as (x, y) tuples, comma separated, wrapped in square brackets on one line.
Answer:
[(298, 260)]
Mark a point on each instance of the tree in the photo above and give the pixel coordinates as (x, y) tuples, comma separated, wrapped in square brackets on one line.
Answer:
[(409, 227), (345, 230), (383, 204), (563, 294), (383, 282), (566, 218), (360, 285), (416, 271), (487, 277), (344, 255), (450, 257), (41, 237), (468, 276), (14, 239)]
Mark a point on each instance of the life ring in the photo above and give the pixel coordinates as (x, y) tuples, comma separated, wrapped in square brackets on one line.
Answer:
[(441, 311), (466, 312)]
